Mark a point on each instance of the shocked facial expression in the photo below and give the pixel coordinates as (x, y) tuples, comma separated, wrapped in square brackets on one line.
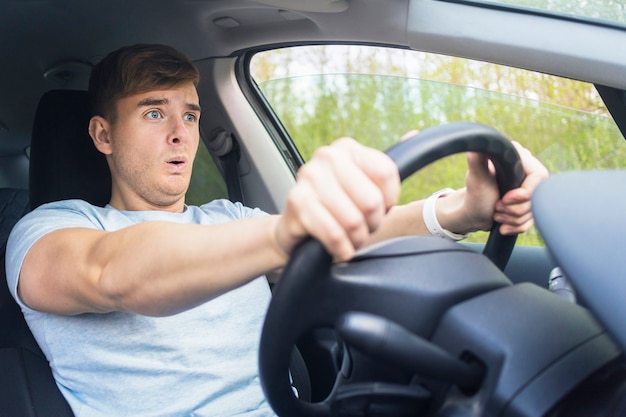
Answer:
[(150, 147)]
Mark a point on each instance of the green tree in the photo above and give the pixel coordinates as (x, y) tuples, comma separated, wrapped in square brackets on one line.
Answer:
[(378, 94)]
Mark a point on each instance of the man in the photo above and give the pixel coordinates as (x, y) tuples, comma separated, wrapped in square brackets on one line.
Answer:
[(149, 307)]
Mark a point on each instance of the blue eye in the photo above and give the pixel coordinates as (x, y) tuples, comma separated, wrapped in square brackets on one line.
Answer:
[(153, 114), (190, 117)]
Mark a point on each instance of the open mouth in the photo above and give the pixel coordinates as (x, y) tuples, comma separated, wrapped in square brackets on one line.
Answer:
[(177, 161)]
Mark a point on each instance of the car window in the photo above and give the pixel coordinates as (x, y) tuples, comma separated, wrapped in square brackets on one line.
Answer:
[(206, 181), (377, 94)]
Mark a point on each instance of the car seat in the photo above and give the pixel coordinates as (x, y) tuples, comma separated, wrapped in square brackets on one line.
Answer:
[(27, 388), (63, 164)]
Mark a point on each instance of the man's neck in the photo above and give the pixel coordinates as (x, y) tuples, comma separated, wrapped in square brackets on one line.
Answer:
[(139, 204)]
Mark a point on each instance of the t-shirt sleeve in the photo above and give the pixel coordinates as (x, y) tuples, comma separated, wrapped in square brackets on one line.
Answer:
[(227, 210), (32, 227), (247, 212)]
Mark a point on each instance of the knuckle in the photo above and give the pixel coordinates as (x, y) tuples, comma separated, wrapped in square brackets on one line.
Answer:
[(335, 238), (305, 171), (326, 153), (354, 224), (294, 197), (345, 141), (373, 205)]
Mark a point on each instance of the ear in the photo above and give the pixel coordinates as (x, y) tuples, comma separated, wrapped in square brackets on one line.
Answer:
[(100, 132)]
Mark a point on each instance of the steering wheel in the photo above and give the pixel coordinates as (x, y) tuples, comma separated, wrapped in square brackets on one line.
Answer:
[(369, 309)]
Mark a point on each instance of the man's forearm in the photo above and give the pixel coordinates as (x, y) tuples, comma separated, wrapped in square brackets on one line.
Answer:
[(152, 268), (175, 268), (402, 220)]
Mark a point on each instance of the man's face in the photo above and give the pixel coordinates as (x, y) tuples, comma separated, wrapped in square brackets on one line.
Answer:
[(153, 143)]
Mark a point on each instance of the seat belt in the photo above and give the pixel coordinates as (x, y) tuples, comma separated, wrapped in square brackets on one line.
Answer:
[(225, 146)]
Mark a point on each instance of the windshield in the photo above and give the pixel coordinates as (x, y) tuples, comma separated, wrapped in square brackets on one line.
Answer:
[(608, 11), (377, 94)]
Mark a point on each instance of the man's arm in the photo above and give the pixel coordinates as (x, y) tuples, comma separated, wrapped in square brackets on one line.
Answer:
[(152, 268), (341, 196), (351, 192), (472, 208)]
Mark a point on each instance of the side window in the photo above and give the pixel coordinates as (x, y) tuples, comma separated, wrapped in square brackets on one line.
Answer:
[(206, 181), (376, 94)]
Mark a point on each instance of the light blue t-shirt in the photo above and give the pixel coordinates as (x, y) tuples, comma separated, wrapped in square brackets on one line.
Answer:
[(202, 362)]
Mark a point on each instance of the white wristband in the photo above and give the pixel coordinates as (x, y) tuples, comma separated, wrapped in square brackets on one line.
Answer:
[(430, 217)]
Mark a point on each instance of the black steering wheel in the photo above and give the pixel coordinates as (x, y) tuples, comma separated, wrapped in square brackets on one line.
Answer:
[(364, 308)]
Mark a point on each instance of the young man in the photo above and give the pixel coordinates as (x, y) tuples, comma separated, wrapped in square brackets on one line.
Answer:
[(150, 307)]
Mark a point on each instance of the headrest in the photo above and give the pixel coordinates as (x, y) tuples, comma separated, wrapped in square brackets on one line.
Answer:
[(64, 163)]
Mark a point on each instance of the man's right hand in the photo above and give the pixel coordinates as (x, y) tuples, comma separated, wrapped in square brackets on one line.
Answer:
[(340, 198)]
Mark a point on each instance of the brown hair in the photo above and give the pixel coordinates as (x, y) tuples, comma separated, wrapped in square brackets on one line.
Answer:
[(136, 69)]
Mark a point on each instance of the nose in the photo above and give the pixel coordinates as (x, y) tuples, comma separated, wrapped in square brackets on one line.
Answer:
[(180, 131)]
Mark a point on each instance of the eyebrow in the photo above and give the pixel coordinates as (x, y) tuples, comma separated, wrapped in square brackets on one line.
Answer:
[(164, 101)]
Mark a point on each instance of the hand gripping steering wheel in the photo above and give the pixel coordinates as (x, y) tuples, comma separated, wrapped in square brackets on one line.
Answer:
[(310, 295)]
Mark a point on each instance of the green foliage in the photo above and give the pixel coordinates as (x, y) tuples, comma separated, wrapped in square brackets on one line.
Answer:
[(206, 182), (562, 121)]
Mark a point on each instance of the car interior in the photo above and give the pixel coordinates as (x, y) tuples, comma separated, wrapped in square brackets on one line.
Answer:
[(371, 339)]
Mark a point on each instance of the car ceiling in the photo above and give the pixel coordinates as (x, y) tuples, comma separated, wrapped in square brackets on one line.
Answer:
[(62, 39), (48, 44)]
